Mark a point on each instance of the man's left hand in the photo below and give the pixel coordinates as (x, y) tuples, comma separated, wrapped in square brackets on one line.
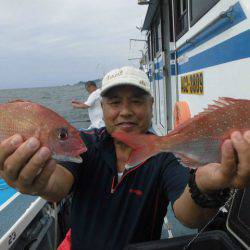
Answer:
[(234, 170)]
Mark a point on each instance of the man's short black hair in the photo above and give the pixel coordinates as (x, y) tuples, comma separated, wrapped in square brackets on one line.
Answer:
[(89, 83)]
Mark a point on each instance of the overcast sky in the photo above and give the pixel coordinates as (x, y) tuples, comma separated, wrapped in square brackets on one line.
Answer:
[(56, 42)]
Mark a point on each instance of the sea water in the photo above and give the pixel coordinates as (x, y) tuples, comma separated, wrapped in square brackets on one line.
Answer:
[(57, 98)]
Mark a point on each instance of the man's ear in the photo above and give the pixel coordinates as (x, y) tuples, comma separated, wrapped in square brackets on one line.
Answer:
[(101, 101), (152, 100), (151, 104)]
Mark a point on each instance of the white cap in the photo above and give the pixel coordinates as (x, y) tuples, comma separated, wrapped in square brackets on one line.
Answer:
[(126, 76)]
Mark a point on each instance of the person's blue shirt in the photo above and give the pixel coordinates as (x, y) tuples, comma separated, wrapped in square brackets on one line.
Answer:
[(107, 214)]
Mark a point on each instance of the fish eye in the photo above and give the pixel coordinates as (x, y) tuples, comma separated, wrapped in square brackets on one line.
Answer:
[(62, 134)]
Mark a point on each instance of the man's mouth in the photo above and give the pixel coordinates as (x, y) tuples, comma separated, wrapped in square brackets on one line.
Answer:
[(126, 125)]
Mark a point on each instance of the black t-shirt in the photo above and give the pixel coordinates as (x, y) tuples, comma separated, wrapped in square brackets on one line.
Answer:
[(107, 215)]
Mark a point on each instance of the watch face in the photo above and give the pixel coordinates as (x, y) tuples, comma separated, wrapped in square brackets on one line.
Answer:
[(238, 222)]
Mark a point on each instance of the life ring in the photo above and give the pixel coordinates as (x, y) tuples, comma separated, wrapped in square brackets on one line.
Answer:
[(181, 113)]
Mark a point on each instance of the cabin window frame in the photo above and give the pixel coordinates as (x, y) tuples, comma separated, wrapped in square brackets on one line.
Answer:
[(156, 37), (183, 17), (156, 42), (158, 26), (193, 21), (150, 46)]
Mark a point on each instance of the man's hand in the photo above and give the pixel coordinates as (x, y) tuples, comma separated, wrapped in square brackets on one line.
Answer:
[(234, 170), (79, 104), (75, 104), (26, 166)]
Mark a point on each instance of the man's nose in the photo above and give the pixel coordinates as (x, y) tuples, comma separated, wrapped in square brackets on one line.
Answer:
[(126, 109)]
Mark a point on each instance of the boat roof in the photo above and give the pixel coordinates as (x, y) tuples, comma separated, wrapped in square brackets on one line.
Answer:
[(152, 7)]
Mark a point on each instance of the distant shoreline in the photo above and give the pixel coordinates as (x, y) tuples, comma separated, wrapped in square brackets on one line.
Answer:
[(52, 86)]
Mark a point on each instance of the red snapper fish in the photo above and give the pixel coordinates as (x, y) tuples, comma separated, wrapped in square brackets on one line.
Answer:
[(31, 119), (196, 141)]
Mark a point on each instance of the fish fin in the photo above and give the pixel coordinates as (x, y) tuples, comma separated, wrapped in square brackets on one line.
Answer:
[(186, 161), (218, 104), (19, 100), (144, 146)]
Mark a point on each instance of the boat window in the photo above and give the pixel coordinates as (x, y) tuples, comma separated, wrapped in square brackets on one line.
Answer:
[(199, 8), (156, 36), (181, 18), (159, 37), (171, 32), (149, 46), (156, 47)]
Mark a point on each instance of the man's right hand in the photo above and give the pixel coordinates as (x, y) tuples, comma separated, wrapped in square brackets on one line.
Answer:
[(26, 166), (79, 105)]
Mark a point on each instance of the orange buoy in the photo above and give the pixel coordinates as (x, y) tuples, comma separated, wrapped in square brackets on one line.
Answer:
[(181, 113)]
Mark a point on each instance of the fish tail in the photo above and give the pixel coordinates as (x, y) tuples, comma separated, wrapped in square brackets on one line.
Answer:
[(144, 146)]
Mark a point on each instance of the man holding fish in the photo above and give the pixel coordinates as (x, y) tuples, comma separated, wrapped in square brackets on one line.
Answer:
[(120, 192)]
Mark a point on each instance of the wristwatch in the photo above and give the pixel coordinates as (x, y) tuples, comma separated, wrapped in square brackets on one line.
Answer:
[(215, 199)]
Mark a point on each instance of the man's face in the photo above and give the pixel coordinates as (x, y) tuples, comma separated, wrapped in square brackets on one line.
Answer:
[(127, 108), (88, 88)]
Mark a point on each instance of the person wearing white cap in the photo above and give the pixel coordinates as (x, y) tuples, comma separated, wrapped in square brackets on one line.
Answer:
[(113, 205), (129, 86), (126, 76)]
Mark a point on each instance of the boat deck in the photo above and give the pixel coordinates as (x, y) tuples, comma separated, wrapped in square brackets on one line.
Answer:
[(16, 212)]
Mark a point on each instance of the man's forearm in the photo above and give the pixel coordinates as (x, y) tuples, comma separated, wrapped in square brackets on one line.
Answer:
[(189, 213), (83, 106), (80, 105)]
